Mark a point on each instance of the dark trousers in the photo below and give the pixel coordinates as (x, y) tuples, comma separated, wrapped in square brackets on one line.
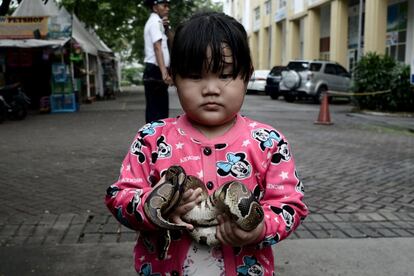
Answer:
[(156, 94)]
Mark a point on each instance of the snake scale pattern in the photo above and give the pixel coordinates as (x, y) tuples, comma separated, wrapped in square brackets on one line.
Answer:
[(232, 198)]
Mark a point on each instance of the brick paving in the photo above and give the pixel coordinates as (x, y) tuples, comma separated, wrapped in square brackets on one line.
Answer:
[(55, 168)]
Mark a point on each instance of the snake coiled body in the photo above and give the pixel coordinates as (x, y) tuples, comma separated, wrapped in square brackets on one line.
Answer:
[(233, 199)]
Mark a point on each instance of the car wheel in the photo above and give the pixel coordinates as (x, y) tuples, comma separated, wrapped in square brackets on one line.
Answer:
[(319, 94), (291, 79), (274, 95), (289, 98)]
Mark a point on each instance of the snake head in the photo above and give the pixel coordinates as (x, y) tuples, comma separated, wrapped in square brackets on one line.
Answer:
[(175, 174)]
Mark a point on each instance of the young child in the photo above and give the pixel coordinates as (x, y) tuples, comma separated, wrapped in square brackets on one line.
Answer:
[(210, 66)]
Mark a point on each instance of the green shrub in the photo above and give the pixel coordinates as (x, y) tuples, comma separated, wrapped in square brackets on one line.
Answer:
[(133, 75), (379, 73), (125, 83)]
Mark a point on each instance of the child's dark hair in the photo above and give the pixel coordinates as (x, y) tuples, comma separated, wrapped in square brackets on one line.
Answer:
[(204, 30)]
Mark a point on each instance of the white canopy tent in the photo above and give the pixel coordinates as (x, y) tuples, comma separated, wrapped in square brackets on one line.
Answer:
[(36, 8)]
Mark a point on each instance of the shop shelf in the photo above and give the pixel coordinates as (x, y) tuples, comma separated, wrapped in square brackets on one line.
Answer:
[(63, 103), (62, 87)]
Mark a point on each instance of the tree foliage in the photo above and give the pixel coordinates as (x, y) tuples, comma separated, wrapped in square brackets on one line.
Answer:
[(120, 23)]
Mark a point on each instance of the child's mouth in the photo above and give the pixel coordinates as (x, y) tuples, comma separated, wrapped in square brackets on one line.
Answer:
[(211, 106)]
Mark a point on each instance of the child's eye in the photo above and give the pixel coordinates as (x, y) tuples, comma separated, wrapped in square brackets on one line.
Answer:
[(194, 77), (226, 76)]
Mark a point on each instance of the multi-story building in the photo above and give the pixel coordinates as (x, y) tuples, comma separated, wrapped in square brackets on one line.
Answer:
[(338, 30)]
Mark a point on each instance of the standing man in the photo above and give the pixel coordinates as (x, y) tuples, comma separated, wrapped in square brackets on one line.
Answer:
[(157, 59)]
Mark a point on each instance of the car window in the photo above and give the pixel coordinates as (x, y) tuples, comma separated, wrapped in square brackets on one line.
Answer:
[(341, 71), (315, 66), (277, 71), (259, 74), (330, 69), (298, 65)]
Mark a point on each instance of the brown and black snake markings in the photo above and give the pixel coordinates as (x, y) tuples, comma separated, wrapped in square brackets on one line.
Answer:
[(232, 198)]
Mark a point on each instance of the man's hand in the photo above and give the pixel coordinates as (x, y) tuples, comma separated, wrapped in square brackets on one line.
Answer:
[(228, 233), (188, 201), (167, 78), (166, 23)]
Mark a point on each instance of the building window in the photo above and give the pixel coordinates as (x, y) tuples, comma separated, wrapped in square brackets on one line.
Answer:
[(256, 20), (282, 4), (268, 7), (397, 30), (257, 14)]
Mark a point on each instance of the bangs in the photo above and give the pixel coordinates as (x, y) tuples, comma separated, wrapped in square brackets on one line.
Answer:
[(209, 34)]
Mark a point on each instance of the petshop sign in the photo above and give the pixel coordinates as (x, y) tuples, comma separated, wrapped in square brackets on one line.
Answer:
[(16, 27)]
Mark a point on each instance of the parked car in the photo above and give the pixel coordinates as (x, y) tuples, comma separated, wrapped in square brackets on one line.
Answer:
[(257, 81), (311, 78), (273, 80)]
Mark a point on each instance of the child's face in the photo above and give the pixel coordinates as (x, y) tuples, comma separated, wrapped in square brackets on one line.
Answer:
[(212, 99)]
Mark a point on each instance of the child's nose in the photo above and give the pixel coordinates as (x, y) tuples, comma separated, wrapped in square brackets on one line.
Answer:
[(211, 87)]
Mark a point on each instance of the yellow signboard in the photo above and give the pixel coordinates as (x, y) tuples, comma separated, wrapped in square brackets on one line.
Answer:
[(16, 27)]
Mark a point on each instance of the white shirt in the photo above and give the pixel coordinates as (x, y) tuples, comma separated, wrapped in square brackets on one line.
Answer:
[(203, 261), (153, 32)]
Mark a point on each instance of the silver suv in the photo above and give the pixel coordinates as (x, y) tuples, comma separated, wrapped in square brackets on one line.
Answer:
[(311, 78)]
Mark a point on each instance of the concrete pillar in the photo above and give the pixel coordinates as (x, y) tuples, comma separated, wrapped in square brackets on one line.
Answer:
[(293, 40), (264, 48), (277, 42), (312, 34), (375, 26), (254, 49), (339, 31)]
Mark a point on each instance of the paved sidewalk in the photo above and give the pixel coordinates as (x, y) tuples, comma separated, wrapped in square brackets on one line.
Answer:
[(55, 168), (305, 257)]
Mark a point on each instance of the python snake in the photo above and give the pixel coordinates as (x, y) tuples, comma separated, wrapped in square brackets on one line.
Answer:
[(233, 199)]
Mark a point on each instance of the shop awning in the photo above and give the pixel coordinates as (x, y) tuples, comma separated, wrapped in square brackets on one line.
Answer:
[(29, 43), (87, 39)]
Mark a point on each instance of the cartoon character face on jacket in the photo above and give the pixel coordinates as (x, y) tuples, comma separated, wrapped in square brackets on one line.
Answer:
[(164, 150), (283, 153), (287, 214), (236, 165), (136, 149), (251, 267), (266, 137)]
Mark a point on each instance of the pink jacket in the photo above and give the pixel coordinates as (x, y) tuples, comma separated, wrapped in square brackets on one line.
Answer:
[(251, 152)]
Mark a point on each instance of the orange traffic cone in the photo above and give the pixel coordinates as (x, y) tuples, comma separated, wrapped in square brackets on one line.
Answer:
[(324, 118)]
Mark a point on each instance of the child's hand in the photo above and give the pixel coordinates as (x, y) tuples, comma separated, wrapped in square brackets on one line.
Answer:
[(228, 233), (188, 201)]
